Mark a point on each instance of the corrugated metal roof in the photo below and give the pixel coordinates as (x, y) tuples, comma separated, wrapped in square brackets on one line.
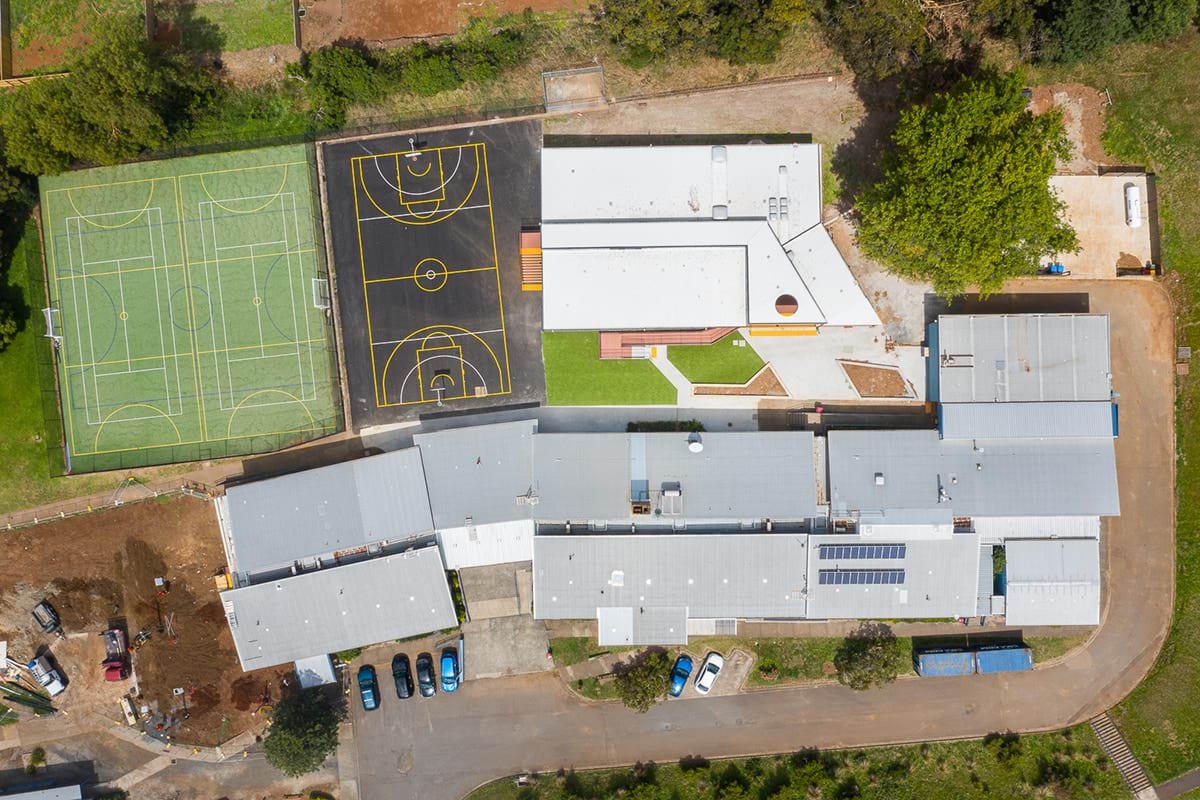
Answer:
[(995, 529), (713, 575), (738, 476), (1003, 659), (353, 605), (322, 511), (871, 471), (478, 472), (624, 625), (1023, 357), (940, 580), (1053, 582), (1025, 420)]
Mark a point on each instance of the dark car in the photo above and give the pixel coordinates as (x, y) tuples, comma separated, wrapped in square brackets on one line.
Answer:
[(46, 617), (680, 673), (368, 687), (449, 669), (402, 672), (425, 682)]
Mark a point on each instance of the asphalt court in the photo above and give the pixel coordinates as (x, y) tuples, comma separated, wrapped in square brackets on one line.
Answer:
[(425, 239)]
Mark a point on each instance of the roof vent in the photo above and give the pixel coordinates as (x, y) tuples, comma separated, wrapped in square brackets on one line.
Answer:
[(879, 479), (695, 443), (617, 578)]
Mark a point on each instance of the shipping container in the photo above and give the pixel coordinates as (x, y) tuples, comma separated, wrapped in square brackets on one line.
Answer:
[(945, 662), (1004, 659)]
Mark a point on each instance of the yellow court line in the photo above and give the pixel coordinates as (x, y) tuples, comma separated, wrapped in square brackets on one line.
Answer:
[(428, 167), (115, 272), (414, 277), (423, 402), (69, 433), (107, 185), (420, 375), (362, 263), (99, 430), (270, 199), (229, 427), (394, 218), (130, 221), (462, 146), (166, 357), (134, 449), (227, 259), (191, 306), (230, 170), (419, 331), (487, 182)]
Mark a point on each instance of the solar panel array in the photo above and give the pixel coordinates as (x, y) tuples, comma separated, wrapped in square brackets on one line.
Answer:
[(861, 577), (830, 552)]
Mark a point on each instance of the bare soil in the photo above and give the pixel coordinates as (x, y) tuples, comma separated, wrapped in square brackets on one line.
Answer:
[(764, 384), (390, 21), (1083, 109), (44, 55), (262, 65), (872, 381), (100, 569)]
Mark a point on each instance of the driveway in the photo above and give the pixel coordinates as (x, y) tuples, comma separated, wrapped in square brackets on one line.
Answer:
[(442, 748)]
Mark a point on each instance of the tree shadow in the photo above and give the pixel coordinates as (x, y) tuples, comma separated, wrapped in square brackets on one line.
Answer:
[(179, 26), (858, 162)]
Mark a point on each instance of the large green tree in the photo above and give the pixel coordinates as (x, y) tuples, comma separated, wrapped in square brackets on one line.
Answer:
[(878, 38), (870, 656), (304, 732), (649, 29), (1076, 29), (123, 95), (965, 198), (644, 681)]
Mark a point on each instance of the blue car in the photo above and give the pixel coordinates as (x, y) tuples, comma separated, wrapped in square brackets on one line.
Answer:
[(368, 687), (680, 673), (449, 669)]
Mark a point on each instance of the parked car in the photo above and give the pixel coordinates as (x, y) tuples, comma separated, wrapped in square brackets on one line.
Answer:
[(46, 617), (47, 676), (402, 672), (709, 671), (449, 669), (425, 682), (116, 655), (368, 687), (680, 673)]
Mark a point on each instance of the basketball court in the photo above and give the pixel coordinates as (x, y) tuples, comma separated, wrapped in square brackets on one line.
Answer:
[(425, 234), (188, 307)]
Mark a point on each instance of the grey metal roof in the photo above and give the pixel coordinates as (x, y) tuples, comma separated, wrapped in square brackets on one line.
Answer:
[(478, 472), (322, 511), (328, 610), (56, 793), (712, 575), (1052, 582), (736, 476), (941, 579), (1025, 420), (625, 625), (1023, 357), (872, 471)]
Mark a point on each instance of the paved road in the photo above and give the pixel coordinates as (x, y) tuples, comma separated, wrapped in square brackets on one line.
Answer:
[(442, 748)]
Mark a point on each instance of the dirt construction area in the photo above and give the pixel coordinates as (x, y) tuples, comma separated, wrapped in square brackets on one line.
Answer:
[(99, 570), (388, 21)]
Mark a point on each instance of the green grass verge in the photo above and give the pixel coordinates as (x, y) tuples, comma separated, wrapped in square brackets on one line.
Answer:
[(243, 24), (723, 361), (1153, 121), (575, 375), (1065, 765)]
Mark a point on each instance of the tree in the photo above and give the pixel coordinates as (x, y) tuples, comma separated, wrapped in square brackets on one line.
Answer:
[(335, 77), (1076, 29), (870, 656), (1162, 19), (878, 38), (304, 732), (123, 95), (646, 30), (644, 681), (965, 197)]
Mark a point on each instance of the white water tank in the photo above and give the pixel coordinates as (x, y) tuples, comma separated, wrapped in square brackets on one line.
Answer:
[(1133, 206)]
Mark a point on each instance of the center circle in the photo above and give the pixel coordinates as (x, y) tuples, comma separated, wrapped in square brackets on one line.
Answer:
[(123, 315), (430, 274), (257, 301)]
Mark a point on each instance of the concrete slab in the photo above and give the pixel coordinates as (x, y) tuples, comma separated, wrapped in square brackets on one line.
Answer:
[(729, 682), (1096, 209), (495, 648), (493, 591)]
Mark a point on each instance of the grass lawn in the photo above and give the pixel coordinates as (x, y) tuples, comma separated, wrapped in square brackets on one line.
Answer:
[(575, 375), (245, 24), (727, 360), (1153, 120), (1064, 765)]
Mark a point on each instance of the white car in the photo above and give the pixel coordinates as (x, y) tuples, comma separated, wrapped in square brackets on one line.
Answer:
[(709, 671)]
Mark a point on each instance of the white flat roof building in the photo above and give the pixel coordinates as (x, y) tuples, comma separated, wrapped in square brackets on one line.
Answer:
[(696, 236)]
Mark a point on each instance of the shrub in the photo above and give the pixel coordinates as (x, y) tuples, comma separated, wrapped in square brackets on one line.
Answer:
[(644, 681), (427, 72), (1077, 29)]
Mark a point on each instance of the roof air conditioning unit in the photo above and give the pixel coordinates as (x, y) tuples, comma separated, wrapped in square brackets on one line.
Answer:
[(879, 479)]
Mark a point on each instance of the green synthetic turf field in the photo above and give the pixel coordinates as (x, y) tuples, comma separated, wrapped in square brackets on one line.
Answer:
[(189, 298)]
